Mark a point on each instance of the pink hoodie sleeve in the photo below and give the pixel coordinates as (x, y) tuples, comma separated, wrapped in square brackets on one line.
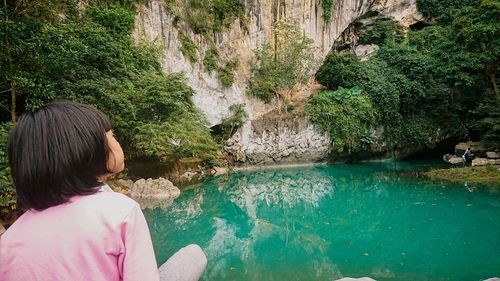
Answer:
[(137, 261)]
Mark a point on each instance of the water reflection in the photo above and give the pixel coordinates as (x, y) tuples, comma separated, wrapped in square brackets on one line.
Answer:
[(280, 189), (323, 223)]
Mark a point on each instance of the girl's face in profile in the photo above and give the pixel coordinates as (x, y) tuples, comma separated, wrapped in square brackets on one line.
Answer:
[(116, 158)]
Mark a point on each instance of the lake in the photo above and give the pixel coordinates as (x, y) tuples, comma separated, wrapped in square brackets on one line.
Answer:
[(325, 222)]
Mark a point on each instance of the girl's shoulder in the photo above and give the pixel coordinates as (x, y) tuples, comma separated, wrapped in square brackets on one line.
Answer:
[(105, 202), (89, 213)]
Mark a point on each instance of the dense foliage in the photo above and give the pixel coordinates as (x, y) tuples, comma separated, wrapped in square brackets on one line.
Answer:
[(327, 6), (206, 16), (382, 30), (52, 50), (438, 8), (188, 48), (7, 192), (231, 123), (437, 80), (347, 114), (282, 65), (225, 71), (210, 59)]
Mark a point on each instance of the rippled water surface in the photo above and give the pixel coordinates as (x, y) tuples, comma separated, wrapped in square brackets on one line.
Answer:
[(326, 222)]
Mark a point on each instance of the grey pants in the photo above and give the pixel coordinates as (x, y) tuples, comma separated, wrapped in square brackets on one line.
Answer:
[(188, 264)]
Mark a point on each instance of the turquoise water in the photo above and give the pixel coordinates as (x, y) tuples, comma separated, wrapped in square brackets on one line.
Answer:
[(326, 222)]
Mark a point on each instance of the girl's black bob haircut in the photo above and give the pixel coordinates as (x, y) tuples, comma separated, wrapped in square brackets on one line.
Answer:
[(57, 152)]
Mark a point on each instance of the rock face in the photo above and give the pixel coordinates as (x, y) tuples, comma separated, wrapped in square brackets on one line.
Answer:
[(275, 139), (492, 155), (155, 24), (452, 159), (363, 52)]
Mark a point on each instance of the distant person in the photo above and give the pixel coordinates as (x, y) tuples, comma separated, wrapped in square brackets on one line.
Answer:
[(467, 157), (75, 226)]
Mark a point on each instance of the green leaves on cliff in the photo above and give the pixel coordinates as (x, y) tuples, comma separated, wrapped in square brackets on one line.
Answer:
[(381, 31), (443, 8), (396, 87), (188, 48), (442, 76), (346, 114), (282, 64), (327, 6), (206, 16)]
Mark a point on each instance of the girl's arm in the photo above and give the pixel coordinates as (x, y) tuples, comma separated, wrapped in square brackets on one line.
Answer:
[(137, 260)]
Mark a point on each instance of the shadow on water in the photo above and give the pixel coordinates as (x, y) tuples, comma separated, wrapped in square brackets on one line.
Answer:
[(325, 222)]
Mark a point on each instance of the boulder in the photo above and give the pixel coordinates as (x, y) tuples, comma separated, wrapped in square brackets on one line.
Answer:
[(492, 155), (121, 185), (126, 183), (485, 161), (452, 159), (159, 188), (477, 148)]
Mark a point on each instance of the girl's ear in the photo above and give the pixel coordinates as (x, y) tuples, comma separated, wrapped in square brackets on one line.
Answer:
[(116, 159)]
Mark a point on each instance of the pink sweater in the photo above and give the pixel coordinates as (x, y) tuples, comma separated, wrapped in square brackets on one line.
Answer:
[(103, 236)]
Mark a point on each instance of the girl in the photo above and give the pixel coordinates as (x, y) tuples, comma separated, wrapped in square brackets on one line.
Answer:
[(74, 228)]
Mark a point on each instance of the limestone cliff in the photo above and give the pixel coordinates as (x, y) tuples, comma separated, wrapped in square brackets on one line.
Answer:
[(265, 138)]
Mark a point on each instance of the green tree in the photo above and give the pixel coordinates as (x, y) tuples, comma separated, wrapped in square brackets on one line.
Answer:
[(382, 31), (338, 70), (442, 8), (327, 6), (438, 80), (206, 16), (477, 30), (235, 120), (346, 114), (7, 192), (282, 65), (92, 59)]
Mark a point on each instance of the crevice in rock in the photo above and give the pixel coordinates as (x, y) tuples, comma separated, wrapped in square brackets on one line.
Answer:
[(419, 25)]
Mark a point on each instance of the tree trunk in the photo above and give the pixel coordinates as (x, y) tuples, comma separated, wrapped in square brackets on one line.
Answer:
[(491, 72), (13, 116), (495, 88)]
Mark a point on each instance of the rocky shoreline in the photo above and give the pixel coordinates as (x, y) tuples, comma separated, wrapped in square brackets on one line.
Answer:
[(483, 155)]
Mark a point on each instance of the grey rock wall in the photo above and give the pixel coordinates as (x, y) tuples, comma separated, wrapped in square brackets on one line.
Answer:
[(277, 139)]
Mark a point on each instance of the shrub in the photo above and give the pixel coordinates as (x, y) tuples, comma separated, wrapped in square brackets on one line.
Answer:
[(188, 48), (7, 191), (346, 114), (226, 73), (210, 59), (327, 6)]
